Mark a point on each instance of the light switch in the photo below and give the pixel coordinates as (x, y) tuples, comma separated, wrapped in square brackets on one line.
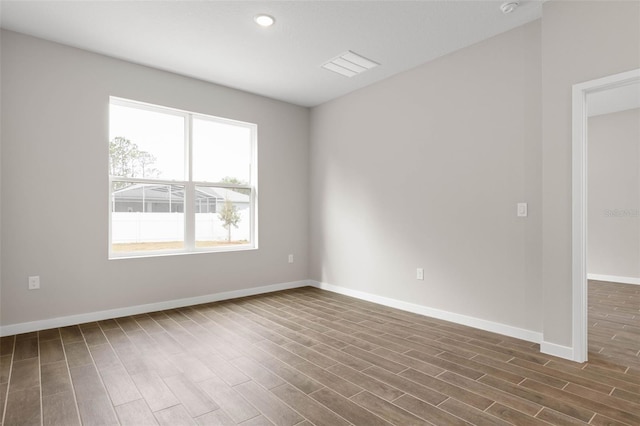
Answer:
[(522, 209)]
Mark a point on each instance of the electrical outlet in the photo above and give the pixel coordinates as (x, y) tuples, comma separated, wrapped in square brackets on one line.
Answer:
[(290, 258), (34, 283), (419, 274)]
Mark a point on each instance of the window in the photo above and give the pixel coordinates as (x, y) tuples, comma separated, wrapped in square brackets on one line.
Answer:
[(179, 181)]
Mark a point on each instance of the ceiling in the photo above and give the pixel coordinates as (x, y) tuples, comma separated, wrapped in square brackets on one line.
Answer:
[(218, 41)]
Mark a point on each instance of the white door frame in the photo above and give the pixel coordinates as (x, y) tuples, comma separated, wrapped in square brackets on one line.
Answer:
[(579, 205)]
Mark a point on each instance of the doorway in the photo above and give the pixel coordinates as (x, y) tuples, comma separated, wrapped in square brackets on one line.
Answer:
[(584, 95)]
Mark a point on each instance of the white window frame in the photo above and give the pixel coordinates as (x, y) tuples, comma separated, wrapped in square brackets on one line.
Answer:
[(190, 185)]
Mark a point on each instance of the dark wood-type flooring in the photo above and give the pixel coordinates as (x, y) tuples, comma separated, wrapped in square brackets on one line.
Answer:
[(307, 356)]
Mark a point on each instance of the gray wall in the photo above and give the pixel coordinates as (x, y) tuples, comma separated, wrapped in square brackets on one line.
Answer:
[(424, 170), (581, 41), (614, 194), (54, 185)]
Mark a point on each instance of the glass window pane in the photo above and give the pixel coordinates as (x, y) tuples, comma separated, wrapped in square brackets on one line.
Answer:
[(221, 152), (146, 144), (223, 216), (146, 217)]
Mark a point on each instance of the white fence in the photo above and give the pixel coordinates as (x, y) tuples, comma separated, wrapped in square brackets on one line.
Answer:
[(158, 227)]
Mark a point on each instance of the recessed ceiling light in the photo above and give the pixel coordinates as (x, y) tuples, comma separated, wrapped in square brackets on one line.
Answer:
[(264, 20), (509, 7)]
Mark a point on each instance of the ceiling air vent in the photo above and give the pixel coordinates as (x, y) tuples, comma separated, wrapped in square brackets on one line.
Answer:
[(349, 64)]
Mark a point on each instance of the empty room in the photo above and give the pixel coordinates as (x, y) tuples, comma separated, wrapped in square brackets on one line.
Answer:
[(320, 212)]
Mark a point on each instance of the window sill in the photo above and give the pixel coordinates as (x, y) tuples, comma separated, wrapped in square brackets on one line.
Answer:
[(143, 255)]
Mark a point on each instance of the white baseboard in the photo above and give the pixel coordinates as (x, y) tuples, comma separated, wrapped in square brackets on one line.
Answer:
[(507, 330), (560, 351), (519, 333), (614, 279), (26, 327)]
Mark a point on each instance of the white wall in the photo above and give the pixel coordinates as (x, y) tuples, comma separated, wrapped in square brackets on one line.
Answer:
[(581, 41), (614, 194), (424, 170), (54, 147)]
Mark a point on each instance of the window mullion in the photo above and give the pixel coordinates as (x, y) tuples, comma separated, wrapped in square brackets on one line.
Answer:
[(190, 197)]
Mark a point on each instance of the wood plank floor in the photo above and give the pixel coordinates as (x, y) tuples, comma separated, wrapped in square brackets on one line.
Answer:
[(307, 356)]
